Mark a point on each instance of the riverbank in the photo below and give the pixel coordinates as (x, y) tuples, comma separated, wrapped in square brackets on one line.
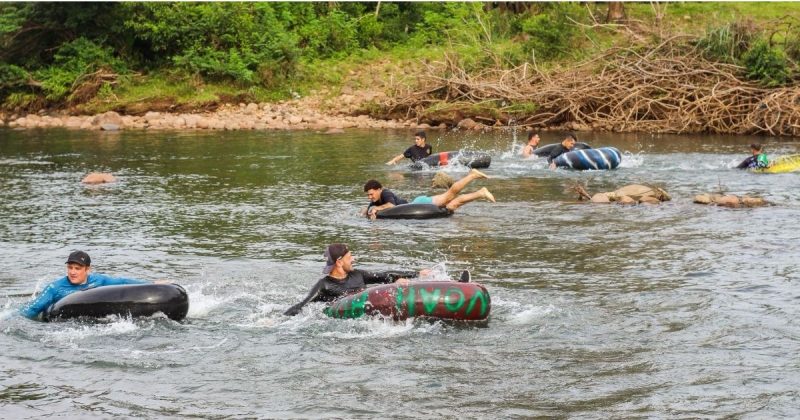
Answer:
[(301, 114)]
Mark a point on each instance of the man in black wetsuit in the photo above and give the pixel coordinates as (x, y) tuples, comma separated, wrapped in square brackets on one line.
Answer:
[(757, 160), (418, 151), (566, 146), (341, 278)]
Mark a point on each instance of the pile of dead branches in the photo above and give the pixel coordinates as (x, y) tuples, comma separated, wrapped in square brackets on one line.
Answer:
[(670, 88)]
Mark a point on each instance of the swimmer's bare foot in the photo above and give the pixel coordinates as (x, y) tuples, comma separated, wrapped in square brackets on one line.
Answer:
[(478, 174), (487, 195)]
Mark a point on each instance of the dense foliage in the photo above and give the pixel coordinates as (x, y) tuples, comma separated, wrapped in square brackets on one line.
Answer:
[(50, 51)]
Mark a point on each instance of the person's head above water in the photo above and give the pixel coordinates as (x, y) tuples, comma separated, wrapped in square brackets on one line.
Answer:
[(419, 138), (373, 189), (569, 141), (756, 148), (78, 267), (338, 259), (533, 138)]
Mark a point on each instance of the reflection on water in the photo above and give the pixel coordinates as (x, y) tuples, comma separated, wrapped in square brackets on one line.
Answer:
[(670, 310)]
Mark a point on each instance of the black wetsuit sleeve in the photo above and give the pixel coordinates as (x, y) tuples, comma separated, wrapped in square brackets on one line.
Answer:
[(556, 152), (746, 163), (312, 295), (387, 276)]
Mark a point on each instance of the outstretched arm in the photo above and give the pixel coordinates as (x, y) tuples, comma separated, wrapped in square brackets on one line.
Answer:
[(313, 294), (746, 163), (114, 281), (33, 308), (387, 276), (395, 159)]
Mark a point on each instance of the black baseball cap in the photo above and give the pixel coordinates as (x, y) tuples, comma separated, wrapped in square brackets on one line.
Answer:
[(79, 257), (332, 254)]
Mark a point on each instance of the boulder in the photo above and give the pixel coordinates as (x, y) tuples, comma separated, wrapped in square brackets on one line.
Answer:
[(728, 201), (637, 192), (94, 178), (467, 124), (109, 127), (753, 201), (649, 200), (625, 200), (600, 198), (109, 117), (703, 199)]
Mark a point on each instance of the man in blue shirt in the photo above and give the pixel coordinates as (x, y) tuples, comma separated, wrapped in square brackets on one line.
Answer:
[(78, 278)]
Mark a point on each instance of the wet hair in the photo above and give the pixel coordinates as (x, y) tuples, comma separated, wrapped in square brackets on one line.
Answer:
[(571, 136), (420, 134), (372, 185), (531, 134), (442, 180), (756, 146)]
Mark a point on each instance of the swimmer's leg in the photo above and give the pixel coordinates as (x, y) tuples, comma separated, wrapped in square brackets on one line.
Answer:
[(446, 197), (466, 198)]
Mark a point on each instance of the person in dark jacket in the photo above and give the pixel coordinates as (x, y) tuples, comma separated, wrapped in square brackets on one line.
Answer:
[(758, 158), (418, 151), (342, 279), (566, 146)]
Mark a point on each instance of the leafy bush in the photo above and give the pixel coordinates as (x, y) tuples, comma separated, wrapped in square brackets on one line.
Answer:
[(766, 64), (12, 76), (728, 42), (549, 34), (72, 61)]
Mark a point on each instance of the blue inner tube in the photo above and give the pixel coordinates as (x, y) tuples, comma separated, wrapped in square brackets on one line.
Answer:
[(470, 159), (545, 150), (602, 158), (134, 300), (413, 211)]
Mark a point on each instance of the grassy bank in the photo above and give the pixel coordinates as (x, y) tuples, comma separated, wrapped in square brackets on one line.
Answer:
[(388, 50)]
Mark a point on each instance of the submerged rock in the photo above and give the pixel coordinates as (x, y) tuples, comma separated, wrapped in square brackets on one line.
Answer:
[(730, 200)]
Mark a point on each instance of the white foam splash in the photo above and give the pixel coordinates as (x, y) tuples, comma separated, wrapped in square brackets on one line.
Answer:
[(631, 160), (70, 335)]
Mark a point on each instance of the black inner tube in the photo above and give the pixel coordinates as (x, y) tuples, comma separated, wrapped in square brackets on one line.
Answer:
[(413, 211), (135, 300)]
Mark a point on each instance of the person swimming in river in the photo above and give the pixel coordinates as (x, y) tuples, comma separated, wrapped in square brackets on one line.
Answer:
[(758, 158), (78, 278), (533, 143), (418, 151), (342, 279), (381, 198), (567, 145)]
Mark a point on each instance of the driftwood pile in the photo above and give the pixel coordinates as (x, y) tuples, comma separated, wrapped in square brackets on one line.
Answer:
[(670, 88)]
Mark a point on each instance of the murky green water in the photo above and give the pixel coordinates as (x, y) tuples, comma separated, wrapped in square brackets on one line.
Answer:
[(678, 310)]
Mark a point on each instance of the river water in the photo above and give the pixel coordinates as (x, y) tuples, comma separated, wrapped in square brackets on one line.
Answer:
[(677, 310)]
